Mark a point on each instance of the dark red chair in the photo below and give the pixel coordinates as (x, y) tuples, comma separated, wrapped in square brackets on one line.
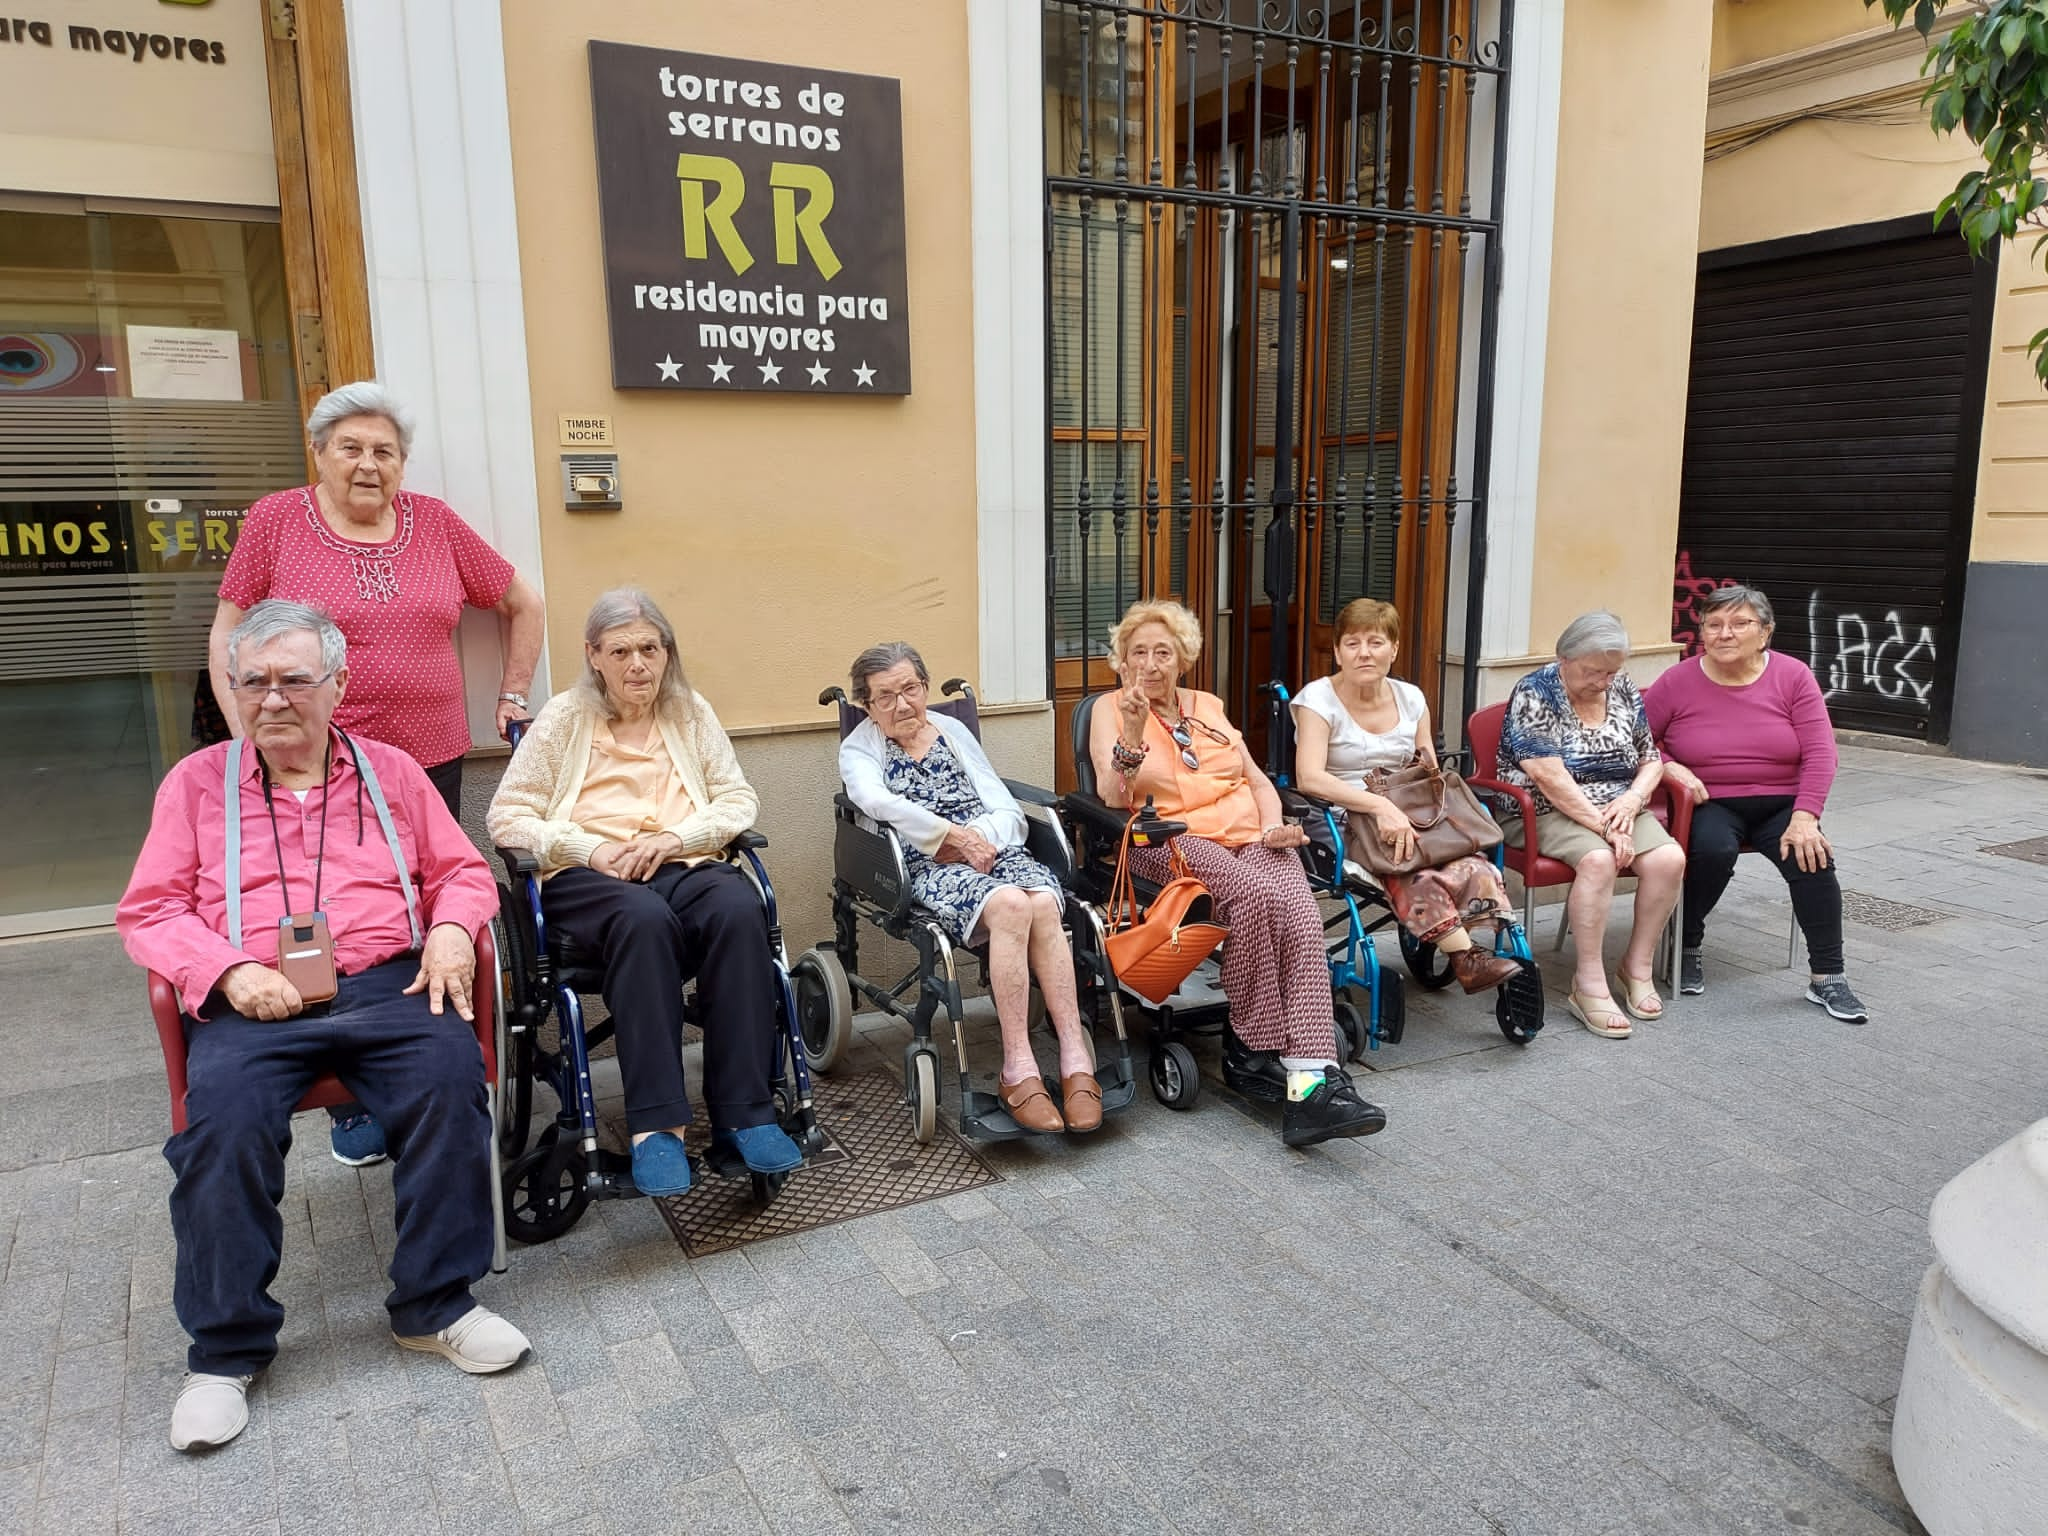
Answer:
[(327, 1090), (1538, 871)]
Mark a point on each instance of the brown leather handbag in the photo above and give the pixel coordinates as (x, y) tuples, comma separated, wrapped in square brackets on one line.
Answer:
[(1154, 956), (1448, 819)]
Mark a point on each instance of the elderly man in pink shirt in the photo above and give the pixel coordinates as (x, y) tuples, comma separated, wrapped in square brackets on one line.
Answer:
[(316, 907)]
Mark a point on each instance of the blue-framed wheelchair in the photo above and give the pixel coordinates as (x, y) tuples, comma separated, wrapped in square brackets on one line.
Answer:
[(1363, 909), (871, 885), (549, 1185)]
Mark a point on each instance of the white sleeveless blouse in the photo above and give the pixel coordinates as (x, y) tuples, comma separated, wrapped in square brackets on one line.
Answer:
[(1355, 751)]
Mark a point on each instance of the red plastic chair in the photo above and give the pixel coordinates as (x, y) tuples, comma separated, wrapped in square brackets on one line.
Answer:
[(327, 1090), (1539, 871)]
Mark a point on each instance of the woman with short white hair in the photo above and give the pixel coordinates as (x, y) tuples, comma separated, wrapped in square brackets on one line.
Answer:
[(1576, 738)]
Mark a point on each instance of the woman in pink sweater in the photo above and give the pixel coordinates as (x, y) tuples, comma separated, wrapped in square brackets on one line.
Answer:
[(1745, 730)]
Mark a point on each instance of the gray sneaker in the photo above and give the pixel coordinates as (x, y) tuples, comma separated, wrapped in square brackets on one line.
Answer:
[(1692, 976), (1833, 994)]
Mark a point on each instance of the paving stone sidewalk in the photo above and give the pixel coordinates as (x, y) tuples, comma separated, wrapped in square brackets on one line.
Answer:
[(1599, 1287)]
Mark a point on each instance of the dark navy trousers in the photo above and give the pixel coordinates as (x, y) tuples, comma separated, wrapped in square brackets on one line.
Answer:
[(421, 1076)]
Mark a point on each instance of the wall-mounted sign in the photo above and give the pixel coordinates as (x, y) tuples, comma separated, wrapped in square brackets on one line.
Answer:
[(176, 362), (586, 431), (753, 224)]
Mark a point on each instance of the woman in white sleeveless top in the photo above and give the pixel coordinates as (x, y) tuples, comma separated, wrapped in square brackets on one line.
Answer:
[(1362, 719)]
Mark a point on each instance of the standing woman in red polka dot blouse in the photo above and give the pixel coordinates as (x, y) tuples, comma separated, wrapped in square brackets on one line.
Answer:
[(394, 569)]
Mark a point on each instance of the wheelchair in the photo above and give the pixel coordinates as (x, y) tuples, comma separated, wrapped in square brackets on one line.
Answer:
[(871, 884), (547, 1186), (1355, 966)]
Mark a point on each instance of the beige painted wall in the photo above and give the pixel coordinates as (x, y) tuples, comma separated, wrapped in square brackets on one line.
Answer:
[(780, 533), (1749, 31), (2012, 464), (1822, 175), (1623, 260)]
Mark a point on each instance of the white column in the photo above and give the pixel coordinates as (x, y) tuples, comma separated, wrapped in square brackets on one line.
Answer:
[(1007, 222), (441, 241)]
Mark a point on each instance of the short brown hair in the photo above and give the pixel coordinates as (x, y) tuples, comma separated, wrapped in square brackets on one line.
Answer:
[(1369, 615)]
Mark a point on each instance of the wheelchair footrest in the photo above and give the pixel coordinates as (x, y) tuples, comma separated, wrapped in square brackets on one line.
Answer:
[(983, 1118), (610, 1176)]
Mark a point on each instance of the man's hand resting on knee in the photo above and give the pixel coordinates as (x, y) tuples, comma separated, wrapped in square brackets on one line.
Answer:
[(257, 992), (447, 970)]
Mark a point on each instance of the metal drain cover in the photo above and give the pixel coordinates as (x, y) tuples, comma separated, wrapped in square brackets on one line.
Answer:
[(2033, 849), (1882, 912)]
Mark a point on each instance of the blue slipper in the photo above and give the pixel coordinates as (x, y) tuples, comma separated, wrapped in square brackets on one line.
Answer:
[(763, 1148), (660, 1165)]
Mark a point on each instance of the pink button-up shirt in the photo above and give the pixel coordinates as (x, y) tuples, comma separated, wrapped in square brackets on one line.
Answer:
[(173, 919)]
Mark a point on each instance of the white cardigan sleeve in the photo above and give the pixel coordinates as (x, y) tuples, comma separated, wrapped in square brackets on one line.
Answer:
[(1003, 823), (861, 756)]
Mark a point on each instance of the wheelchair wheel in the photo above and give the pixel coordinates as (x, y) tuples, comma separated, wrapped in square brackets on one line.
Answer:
[(1354, 1034), (545, 1193), (1430, 966), (1393, 990), (922, 1093), (515, 1095), (1518, 1004), (1176, 1081), (824, 1007)]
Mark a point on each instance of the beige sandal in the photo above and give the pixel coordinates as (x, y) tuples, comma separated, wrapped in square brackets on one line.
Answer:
[(1640, 997), (1599, 1015)]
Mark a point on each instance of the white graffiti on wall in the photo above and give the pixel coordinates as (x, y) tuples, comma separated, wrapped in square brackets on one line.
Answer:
[(1882, 656)]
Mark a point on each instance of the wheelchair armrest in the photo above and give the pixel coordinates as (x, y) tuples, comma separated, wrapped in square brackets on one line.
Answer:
[(748, 839), (1092, 813), (518, 861), (1031, 794)]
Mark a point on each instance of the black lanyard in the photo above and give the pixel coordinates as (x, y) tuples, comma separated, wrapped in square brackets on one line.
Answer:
[(276, 842)]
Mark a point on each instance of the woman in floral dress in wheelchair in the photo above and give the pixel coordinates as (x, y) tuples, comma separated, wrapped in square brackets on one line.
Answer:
[(925, 776)]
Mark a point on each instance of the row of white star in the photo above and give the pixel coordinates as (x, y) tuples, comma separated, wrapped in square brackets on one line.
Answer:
[(771, 371)]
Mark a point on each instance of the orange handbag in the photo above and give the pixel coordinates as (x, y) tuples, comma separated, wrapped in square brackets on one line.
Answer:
[(1154, 956)]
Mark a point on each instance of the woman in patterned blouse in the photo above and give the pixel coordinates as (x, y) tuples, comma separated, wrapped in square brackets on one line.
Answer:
[(963, 834), (1576, 738)]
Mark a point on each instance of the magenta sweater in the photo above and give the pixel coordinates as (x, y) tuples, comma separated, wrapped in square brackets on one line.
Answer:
[(1769, 737)]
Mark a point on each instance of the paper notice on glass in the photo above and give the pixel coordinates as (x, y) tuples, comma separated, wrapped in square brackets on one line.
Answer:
[(169, 362)]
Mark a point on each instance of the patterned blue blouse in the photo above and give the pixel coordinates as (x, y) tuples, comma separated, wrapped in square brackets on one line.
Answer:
[(1602, 759)]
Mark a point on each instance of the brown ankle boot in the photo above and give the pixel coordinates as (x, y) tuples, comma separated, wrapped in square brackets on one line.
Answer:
[(1478, 970)]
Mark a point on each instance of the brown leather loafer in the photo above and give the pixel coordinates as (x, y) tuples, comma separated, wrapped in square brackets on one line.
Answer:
[(1480, 971), (1083, 1098), (1030, 1105)]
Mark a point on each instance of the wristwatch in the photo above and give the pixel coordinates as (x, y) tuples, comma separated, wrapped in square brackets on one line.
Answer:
[(513, 698)]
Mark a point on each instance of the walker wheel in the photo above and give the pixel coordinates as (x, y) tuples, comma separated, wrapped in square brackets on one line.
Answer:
[(1176, 1081), (1430, 966), (1518, 1004), (921, 1092), (1354, 1035)]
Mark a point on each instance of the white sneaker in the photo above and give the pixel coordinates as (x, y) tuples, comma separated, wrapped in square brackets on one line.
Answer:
[(479, 1341), (211, 1410)]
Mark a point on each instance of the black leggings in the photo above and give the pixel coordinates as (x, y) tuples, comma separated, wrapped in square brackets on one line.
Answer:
[(1720, 828)]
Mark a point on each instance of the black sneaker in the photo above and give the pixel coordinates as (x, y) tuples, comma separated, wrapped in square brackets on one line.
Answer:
[(1332, 1108), (1833, 994), (1692, 976), (1255, 1074)]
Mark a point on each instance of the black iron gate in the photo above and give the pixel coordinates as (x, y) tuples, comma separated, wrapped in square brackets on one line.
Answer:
[(1261, 237)]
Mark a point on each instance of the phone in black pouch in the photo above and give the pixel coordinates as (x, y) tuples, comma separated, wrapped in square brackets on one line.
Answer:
[(305, 955)]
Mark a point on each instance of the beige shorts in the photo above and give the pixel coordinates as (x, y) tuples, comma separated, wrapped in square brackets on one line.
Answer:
[(1559, 837)]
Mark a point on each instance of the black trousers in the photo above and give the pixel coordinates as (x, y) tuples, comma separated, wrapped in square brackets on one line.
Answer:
[(704, 920), (423, 1078), (1719, 829)]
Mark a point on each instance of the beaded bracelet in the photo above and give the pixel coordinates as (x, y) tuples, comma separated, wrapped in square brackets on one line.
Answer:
[(1128, 759)]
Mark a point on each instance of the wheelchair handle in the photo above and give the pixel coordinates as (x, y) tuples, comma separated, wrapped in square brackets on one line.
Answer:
[(834, 695), (515, 732), (953, 685)]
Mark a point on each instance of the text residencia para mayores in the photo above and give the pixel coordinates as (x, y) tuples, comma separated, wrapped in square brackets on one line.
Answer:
[(132, 45)]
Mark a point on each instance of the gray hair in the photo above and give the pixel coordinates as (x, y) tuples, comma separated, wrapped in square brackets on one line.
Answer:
[(629, 605), (877, 659), (1590, 634), (274, 618), (1737, 596), (366, 397)]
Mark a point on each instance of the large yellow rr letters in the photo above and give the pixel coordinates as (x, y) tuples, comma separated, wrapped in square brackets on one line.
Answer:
[(693, 171), (808, 221)]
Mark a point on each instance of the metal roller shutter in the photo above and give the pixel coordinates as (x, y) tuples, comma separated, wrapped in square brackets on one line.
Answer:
[(1831, 457)]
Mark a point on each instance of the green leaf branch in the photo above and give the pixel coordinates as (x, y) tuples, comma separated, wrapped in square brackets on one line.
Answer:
[(1989, 77)]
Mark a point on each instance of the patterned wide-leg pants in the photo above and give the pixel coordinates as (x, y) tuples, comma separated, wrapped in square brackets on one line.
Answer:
[(1276, 965)]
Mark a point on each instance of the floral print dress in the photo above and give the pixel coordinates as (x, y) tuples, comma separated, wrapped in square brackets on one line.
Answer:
[(955, 893)]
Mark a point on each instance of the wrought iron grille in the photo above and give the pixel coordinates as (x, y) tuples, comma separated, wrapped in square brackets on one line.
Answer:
[(1263, 260)]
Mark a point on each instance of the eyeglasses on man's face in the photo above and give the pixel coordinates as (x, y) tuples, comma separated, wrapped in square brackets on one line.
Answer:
[(296, 687)]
